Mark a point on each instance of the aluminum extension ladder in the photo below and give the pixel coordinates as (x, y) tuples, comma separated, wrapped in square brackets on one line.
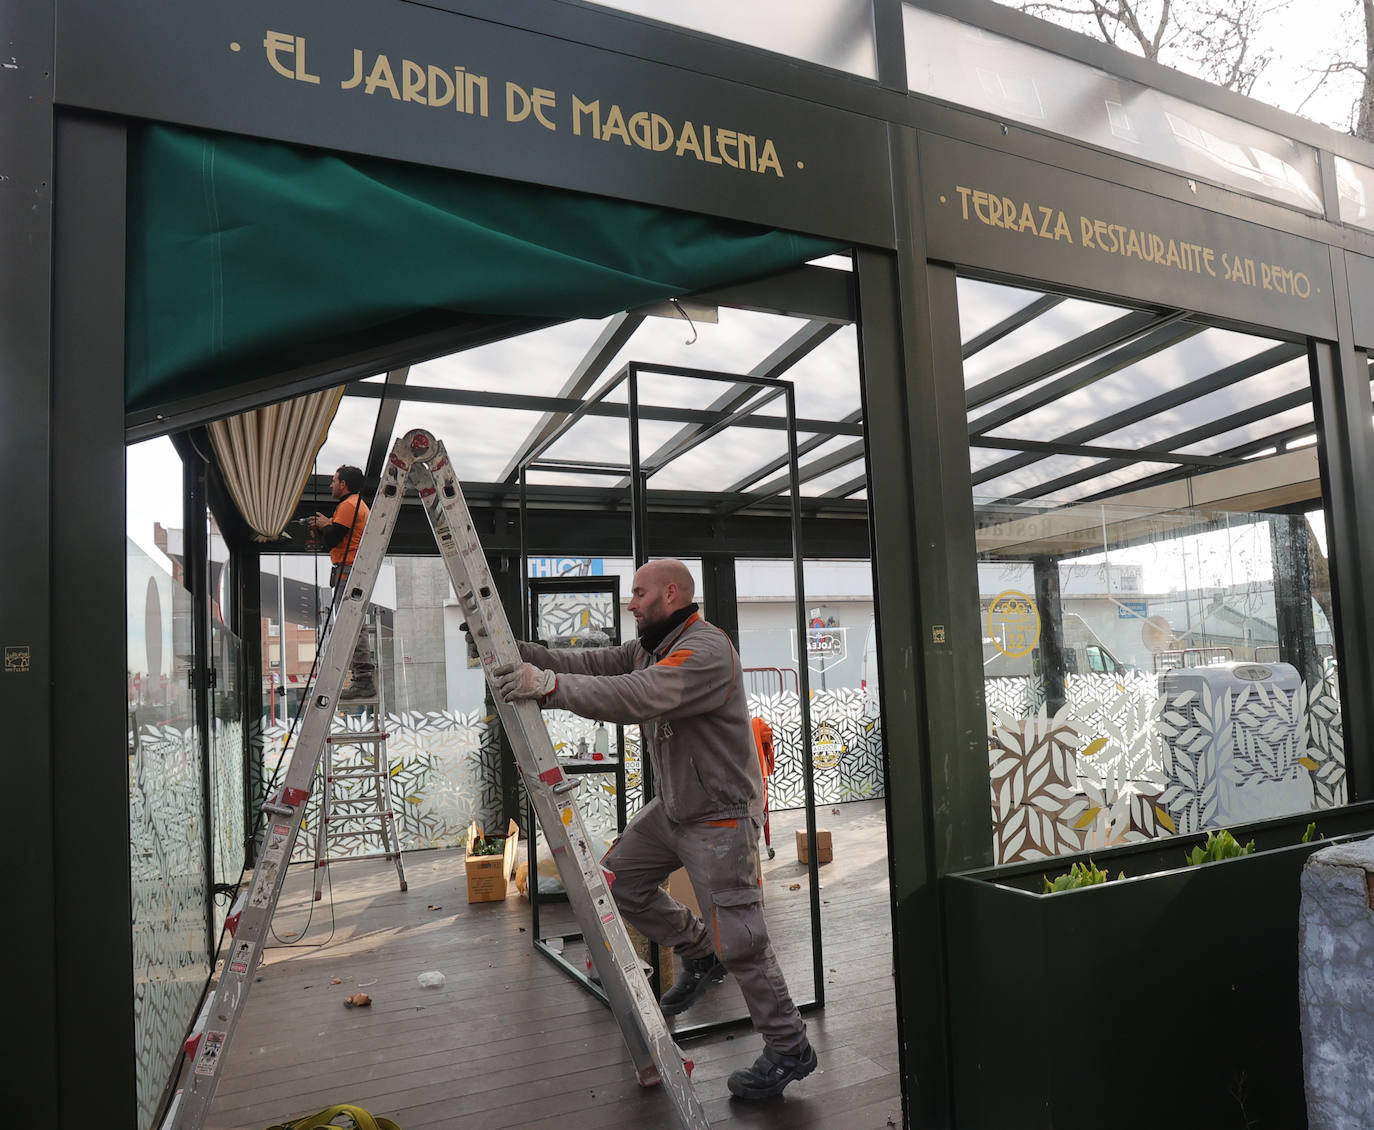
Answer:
[(418, 459), (356, 803)]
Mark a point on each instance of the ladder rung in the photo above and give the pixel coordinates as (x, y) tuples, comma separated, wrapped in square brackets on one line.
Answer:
[(352, 737), (374, 814), (355, 774), (327, 860)]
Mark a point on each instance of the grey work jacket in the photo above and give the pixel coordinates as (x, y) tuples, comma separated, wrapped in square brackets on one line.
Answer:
[(688, 698)]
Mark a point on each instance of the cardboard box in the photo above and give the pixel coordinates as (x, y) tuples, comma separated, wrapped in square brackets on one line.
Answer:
[(488, 875), (825, 851)]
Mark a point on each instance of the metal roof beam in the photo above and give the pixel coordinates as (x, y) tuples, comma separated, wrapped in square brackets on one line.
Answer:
[(844, 490), (1144, 346), (1183, 439), (1214, 382), (602, 352), (1009, 324), (803, 448), (847, 454), (734, 399), (1115, 332), (519, 402), (819, 294), (382, 431)]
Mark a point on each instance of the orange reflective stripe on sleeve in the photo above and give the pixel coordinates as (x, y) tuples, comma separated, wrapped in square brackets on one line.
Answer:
[(722, 823), (676, 658)]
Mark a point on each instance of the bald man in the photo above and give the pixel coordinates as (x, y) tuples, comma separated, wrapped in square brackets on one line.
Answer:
[(680, 681)]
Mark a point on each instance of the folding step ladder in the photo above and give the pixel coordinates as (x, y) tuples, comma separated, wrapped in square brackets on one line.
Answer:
[(418, 459), (356, 805)]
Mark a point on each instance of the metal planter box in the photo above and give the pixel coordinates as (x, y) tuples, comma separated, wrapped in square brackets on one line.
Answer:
[(1166, 999)]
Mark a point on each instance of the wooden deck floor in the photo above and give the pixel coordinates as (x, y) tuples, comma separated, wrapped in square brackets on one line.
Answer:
[(511, 1040)]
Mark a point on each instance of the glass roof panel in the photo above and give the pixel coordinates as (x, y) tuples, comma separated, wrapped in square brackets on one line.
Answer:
[(735, 344), (1071, 319), (1187, 361), (983, 304), (605, 439), (1111, 480), (536, 363), (1355, 190), (827, 378), (980, 457), (350, 435), (666, 391), (1283, 379), (722, 460), (1023, 479), (838, 477), (569, 478), (1250, 433), (479, 441), (966, 65), (833, 33)]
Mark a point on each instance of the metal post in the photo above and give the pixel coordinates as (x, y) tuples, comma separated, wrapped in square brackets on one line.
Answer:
[(804, 698)]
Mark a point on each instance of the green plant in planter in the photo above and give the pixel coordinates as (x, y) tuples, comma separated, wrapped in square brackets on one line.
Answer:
[(1079, 875), (496, 845), (1220, 845), (1312, 833)]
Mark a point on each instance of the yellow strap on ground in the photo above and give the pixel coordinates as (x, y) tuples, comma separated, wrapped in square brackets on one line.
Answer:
[(361, 1120)]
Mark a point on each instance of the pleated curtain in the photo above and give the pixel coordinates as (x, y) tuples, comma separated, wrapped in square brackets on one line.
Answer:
[(267, 454)]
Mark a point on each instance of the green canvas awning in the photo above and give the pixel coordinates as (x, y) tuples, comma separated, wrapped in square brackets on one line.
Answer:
[(249, 257)]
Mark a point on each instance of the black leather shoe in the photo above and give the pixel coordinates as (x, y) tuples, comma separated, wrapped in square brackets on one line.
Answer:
[(770, 1073), (696, 976)]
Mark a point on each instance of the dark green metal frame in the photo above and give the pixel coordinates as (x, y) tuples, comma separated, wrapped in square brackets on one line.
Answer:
[(61, 288)]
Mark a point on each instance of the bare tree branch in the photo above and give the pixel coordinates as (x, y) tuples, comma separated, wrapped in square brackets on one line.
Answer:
[(1220, 41)]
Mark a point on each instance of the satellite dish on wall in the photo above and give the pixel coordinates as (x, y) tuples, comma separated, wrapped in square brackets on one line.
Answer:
[(1156, 634)]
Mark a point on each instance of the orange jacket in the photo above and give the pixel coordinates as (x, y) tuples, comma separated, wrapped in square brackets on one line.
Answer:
[(347, 547)]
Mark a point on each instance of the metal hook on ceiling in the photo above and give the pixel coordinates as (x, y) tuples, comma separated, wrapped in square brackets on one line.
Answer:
[(686, 318)]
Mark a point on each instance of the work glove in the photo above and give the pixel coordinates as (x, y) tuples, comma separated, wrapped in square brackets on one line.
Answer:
[(523, 680)]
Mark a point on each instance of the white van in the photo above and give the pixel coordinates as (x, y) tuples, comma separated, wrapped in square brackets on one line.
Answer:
[(1084, 654)]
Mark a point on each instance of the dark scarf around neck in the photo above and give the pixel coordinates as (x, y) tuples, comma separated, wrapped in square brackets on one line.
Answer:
[(651, 637)]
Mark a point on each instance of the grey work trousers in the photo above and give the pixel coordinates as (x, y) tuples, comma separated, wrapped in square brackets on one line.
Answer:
[(721, 859), (361, 664)]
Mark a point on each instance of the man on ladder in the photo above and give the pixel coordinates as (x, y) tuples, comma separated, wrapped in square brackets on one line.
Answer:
[(681, 681), (341, 535)]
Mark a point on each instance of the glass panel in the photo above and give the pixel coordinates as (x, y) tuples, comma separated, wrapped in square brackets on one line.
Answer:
[(833, 33), (577, 618), (536, 363), (734, 344), (827, 378), (226, 764), (1163, 663), (983, 305), (479, 441), (1070, 319), (1188, 664), (1160, 373), (350, 434), (722, 460), (1355, 189), (168, 869), (959, 63)]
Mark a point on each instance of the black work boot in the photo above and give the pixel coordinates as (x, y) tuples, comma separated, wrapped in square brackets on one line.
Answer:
[(696, 976), (770, 1073)]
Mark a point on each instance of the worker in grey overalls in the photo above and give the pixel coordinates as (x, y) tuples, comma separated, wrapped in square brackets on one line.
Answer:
[(680, 681)]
